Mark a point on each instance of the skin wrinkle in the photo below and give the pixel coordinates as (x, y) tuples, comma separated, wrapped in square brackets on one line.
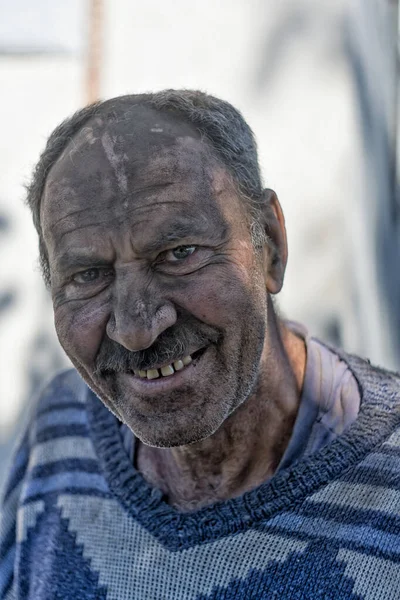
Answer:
[(149, 246), (222, 431), (118, 220), (123, 215)]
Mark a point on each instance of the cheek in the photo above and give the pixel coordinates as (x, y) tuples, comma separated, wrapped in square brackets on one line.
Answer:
[(81, 328), (225, 298)]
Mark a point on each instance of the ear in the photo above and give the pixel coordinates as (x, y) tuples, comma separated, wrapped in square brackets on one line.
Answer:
[(276, 252)]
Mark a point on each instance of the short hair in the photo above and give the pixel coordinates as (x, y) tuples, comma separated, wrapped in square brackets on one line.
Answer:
[(217, 121)]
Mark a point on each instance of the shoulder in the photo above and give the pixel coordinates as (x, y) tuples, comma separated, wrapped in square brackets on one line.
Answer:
[(379, 387), (57, 442), (57, 425), (65, 388), (60, 404), (60, 411), (55, 457), (55, 402)]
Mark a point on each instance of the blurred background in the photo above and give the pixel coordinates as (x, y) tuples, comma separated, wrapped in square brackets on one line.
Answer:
[(317, 82)]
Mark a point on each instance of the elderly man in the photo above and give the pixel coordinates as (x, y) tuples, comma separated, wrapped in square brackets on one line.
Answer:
[(203, 448)]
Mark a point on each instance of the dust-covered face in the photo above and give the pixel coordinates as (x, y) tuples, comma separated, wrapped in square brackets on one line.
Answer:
[(159, 299)]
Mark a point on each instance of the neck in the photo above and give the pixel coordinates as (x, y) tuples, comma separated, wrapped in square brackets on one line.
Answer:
[(246, 450)]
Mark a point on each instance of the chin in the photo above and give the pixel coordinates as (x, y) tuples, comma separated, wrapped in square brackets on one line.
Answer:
[(171, 434)]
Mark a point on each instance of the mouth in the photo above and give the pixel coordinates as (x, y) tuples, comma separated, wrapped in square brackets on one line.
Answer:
[(168, 369), (164, 378)]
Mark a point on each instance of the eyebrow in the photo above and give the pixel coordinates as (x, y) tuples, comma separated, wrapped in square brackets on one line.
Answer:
[(176, 233), (71, 260)]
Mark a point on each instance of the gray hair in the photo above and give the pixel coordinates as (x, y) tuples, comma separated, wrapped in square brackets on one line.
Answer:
[(218, 122)]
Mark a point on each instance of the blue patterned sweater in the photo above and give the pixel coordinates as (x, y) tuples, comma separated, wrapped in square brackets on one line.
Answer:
[(80, 523)]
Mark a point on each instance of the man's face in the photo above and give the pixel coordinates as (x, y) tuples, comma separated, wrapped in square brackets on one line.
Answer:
[(159, 298)]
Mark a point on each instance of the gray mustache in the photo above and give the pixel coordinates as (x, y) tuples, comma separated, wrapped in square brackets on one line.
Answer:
[(169, 346)]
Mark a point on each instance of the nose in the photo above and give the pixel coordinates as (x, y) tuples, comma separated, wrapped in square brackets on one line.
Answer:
[(135, 323)]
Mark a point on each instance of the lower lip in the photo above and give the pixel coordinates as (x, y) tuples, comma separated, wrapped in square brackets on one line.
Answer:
[(150, 387)]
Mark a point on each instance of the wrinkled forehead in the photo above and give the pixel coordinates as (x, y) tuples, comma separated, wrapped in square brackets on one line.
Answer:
[(111, 161)]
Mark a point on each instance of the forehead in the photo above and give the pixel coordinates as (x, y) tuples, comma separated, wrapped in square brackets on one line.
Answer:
[(141, 161), (111, 157)]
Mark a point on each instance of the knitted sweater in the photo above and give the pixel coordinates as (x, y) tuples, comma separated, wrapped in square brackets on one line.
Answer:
[(80, 523)]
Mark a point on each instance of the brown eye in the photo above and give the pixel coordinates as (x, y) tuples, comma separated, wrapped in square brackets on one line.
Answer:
[(180, 253), (91, 276)]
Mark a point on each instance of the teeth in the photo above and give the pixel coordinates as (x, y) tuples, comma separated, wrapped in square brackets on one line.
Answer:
[(168, 370), (152, 373)]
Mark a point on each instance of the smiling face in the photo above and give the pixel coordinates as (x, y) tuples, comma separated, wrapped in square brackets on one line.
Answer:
[(159, 299)]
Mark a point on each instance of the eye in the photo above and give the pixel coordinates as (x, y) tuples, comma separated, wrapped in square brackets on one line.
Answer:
[(179, 253), (94, 275)]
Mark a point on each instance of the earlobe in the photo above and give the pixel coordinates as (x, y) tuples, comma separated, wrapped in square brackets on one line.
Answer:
[(274, 223)]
